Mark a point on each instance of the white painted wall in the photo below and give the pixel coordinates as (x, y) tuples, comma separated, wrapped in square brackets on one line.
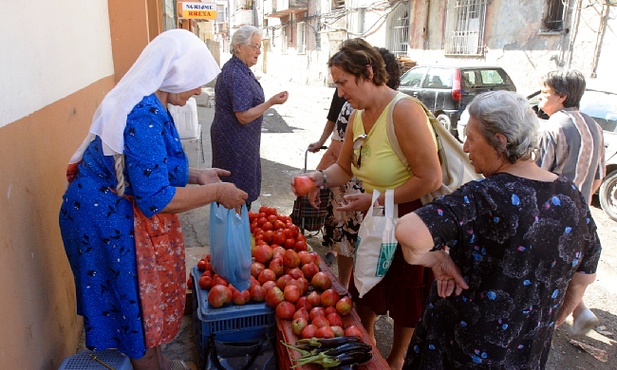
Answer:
[(43, 60)]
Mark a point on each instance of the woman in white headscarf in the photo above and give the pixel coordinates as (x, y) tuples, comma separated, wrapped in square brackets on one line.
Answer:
[(127, 182)]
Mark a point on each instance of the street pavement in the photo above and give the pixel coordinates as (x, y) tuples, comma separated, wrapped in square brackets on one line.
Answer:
[(286, 133)]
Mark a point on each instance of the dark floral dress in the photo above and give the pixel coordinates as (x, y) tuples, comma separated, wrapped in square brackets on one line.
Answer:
[(341, 228), (97, 225), (518, 243), (235, 147)]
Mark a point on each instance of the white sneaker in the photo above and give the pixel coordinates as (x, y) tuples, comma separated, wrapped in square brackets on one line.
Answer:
[(584, 322)]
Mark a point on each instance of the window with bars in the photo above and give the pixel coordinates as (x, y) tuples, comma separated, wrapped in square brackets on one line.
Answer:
[(338, 4), (554, 11), (464, 33), (221, 14), (398, 22)]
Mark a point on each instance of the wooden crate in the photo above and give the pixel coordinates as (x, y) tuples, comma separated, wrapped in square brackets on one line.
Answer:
[(286, 355), (283, 332)]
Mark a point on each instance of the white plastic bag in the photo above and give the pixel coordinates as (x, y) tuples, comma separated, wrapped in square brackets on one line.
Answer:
[(375, 245)]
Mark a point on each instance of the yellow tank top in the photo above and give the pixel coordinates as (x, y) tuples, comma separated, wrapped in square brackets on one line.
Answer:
[(380, 167)]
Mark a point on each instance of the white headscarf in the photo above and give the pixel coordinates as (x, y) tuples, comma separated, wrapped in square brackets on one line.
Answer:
[(175, 61)]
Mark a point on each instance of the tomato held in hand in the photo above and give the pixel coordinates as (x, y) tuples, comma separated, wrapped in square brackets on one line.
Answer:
[(303, 185)]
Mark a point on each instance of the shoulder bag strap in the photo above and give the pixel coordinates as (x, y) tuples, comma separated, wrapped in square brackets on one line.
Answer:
[(391, 133)]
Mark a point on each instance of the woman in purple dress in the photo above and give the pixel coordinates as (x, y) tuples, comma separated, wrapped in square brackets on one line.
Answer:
[(239, 109)]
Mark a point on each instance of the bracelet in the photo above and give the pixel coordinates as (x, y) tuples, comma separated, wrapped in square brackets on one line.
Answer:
[(324, 183)]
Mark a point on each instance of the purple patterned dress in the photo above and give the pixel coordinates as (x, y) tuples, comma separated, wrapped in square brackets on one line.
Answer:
[(235, 147)]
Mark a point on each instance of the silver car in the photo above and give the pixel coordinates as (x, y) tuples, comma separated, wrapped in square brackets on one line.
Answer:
[(602, 106)]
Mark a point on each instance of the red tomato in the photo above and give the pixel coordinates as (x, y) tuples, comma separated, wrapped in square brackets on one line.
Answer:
[(300, 246), (295, 230), (268, 235), (252, 216), (201, 265), (288, 233), (303, 185), (267, 226), (261, 221), (278, 238), (290, 243)]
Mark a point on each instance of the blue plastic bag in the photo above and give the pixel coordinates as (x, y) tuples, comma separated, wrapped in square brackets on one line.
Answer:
[(230, 245)]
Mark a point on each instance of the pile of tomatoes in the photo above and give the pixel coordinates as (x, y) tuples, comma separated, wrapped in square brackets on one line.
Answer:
[(285, 274), (271, 228)]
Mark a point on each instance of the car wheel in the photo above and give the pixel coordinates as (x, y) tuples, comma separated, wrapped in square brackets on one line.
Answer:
[(608, 195), (445, 121)]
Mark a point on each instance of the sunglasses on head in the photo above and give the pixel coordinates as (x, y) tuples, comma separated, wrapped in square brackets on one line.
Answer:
[(356, 160)]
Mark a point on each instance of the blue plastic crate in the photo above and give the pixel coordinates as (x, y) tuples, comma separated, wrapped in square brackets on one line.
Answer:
[(231, 323), (89, 360), (228, 324)]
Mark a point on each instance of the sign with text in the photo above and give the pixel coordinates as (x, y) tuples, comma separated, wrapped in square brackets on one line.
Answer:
[(198, 11)]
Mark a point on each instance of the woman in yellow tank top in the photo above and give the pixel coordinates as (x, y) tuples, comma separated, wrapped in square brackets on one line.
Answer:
[(359, 74)]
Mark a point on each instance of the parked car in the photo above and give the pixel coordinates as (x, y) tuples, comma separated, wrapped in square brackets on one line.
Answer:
[(602, 106), (461, 125), (446, 91)]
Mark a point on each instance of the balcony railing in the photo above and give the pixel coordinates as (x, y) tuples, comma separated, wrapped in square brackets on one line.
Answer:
[(281, 8)]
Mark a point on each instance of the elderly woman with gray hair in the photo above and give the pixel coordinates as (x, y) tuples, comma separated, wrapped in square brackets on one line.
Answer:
[(512, 253), (239, 108)]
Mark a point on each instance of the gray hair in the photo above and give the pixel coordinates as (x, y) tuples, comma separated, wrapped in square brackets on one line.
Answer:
[(509, 114), (243, 36)]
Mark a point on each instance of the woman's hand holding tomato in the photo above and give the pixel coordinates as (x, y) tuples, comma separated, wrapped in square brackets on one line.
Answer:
[(305, 185), (302, 185)]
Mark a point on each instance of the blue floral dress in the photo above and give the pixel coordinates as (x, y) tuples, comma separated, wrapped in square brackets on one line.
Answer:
[(518, 242), (235, 147), (97, 225)]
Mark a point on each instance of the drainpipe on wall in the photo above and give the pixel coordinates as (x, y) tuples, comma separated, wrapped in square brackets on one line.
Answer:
[(574, 31), (266, 46), (600, 39), (425, 26)]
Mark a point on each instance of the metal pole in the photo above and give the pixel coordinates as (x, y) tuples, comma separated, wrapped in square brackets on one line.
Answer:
[(266, 46), (600, 40)]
